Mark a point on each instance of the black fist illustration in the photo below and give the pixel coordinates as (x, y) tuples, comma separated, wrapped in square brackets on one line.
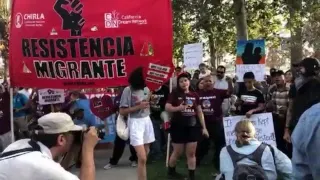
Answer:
[(71, 18)]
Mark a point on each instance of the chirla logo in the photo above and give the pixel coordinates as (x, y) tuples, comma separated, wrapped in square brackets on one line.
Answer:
[(18, 20), (111, 20)]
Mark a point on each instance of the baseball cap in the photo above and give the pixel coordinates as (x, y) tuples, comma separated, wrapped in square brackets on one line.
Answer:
[(312, 64), (272, 71), (277, 72), (55, 123)]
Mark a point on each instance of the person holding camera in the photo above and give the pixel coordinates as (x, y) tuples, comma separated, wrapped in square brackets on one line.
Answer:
[(33, 159)]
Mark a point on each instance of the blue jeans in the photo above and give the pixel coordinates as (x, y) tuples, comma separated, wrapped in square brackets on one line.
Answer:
[(155, 149)]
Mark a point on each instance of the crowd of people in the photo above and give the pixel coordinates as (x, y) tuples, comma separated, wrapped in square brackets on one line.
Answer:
[(196, 106)]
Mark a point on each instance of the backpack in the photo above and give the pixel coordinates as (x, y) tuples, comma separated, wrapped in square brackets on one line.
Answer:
[(248, 172)]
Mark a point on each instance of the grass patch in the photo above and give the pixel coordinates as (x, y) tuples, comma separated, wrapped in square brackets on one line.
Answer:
[(158, 171)]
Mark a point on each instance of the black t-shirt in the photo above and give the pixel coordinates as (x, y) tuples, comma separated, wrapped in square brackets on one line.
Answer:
[(306, 96), (250, 100), (4, 112), (158, 101), (187, 117), (292, 91), (39, 110)]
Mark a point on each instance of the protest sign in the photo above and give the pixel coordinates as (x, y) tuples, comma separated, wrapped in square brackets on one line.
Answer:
[(192, 55), (262, 122), (88, 44), (92, 113), (257, 69), (251, 57), (51, 96)]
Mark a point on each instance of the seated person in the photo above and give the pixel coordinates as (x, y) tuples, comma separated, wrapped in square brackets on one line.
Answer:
[(248, 156)]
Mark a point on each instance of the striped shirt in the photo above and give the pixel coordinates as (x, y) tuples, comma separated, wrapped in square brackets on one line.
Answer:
[(280, 97)]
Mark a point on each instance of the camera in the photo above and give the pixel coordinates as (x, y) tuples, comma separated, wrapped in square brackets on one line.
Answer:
[(79, 135)]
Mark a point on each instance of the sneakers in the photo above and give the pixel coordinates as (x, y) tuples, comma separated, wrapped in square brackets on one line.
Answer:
[(134, 164), (176, 176), (108, 166)]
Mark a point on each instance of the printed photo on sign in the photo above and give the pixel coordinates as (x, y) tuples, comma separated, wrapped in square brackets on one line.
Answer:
[(263, 124), (97, 111), (251, 52), (79, 47)]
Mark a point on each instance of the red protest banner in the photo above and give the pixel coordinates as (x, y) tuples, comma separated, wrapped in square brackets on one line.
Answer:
[(88, 44)]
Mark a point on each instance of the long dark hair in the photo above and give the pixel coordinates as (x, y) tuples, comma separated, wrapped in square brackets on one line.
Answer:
[(179, 91), (136, 79)]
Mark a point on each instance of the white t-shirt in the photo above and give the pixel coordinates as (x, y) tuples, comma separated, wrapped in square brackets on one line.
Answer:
[(25, 92), (221, 84), (33, 165), (201, 75)]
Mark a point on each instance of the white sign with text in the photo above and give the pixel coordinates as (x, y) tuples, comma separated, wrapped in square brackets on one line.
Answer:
[(257, 69), (51, 96), (192, 55), (262, 122)]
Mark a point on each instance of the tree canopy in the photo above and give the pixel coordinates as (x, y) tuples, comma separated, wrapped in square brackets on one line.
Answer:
[(214, 22)]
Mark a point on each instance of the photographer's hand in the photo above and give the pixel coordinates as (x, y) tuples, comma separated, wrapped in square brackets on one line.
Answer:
[(91, 139)]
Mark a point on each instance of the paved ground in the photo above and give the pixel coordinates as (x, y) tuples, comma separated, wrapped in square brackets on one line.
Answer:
[(122, 172)]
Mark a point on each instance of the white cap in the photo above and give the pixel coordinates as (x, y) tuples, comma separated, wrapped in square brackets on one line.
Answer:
[(55, 123)]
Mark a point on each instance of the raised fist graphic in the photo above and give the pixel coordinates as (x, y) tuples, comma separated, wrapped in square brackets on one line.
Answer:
[(70, 12)]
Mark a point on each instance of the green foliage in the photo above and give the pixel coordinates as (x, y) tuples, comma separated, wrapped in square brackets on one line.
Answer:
[(264, 21), (201, 19), (4, 37), (311, 29)]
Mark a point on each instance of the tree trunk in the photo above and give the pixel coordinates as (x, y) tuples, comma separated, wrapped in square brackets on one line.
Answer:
[(295, 25), (213, 53), (240, 17)]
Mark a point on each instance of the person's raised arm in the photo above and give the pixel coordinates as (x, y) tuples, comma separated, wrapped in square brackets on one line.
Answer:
[(88, 170)]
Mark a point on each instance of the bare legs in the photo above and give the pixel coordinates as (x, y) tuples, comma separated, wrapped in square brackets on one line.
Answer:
[(142, 153)]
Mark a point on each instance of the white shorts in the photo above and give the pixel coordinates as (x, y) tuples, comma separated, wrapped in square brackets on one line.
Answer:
[(140, 131)]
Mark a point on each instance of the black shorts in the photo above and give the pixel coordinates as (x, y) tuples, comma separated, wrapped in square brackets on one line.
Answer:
[(185, 134)]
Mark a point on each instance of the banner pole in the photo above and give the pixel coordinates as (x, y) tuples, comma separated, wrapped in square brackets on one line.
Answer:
[(169, 136), (11, 115)]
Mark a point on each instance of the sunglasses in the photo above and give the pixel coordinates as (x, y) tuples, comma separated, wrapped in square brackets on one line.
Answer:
[(220, 72), (248, 82)]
